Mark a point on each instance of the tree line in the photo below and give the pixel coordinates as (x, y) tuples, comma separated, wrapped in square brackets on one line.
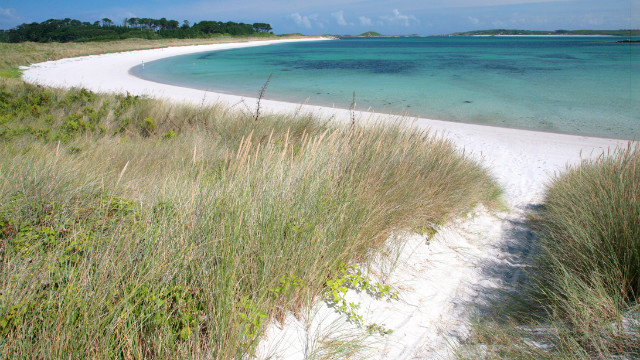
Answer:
[(67, 30)]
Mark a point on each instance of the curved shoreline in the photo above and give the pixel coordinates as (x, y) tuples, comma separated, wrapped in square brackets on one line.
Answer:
[(522, 160)]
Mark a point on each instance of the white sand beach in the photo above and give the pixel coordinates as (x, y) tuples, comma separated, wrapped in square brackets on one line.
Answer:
[(441, 281)]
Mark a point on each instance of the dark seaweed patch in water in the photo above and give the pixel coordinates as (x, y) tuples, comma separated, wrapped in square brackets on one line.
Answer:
[(504, 68), (373, 66), (558, 56), (450, 56), (512, 67), (454, 63), (205, 57)]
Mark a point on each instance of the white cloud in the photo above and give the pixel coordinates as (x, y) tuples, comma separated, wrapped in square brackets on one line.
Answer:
[(316, 20), (365, 21), (474, 20), (339, 16), (517, 19), (498, 24), (474, 3), (399, 18), (9, 18), (301, 20), (594, 19), (9, 13)]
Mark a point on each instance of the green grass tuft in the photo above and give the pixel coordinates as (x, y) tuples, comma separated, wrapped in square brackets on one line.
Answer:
[(585, 300), (10, 73)]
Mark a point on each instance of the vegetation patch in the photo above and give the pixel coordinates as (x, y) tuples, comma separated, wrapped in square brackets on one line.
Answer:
[(586, 278), (10, 73), (353, 278)]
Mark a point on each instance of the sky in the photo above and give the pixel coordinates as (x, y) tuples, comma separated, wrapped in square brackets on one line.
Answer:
[(342, 17)]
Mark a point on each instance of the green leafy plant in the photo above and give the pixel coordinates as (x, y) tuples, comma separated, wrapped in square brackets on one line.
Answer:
[(352, 277), (169, 135), (252, 317), (148, 126), (428, 231), (285, 286), (176, 307)]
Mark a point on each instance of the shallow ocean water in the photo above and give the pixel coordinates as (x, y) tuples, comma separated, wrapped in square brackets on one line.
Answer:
[(575, 85)]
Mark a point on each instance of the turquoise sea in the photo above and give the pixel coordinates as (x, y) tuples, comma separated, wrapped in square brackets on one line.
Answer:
[(575, 85)]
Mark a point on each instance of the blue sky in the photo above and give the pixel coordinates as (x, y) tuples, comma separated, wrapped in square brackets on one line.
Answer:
[(347, 16)]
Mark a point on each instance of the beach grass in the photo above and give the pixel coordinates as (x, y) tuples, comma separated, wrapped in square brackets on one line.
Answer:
[(136, 228), (586, 278)]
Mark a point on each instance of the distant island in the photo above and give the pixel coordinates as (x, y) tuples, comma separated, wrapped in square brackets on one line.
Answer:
[(364, 34), (377, 34), (511, 32), (503, 32), (370, 34)]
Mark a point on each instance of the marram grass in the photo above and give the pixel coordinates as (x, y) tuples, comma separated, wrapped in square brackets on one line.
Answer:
[(586, 276), (132, 228), (590, 265)]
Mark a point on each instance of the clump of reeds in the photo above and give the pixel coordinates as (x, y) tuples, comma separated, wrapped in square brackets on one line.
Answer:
[(586, 277), (590, 231)]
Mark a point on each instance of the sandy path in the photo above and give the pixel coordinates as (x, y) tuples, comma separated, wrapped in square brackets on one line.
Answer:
[(440, 281)]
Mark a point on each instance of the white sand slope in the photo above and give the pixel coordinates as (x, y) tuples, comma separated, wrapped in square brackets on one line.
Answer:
[(435, 281), (440, 282)]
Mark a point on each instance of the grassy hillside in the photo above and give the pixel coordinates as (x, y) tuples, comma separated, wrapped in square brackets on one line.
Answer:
[(132, 228)]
